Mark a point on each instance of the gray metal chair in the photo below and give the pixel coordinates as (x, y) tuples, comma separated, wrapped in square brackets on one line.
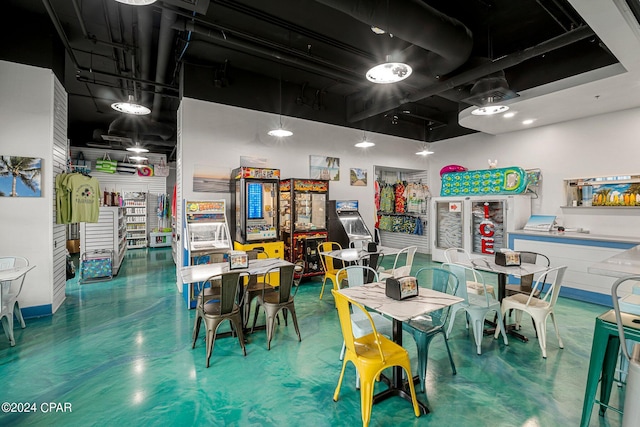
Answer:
[(224, 304), (280, 298)]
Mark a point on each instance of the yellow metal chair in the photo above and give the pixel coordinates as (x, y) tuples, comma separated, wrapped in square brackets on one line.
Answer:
[(370, 354), (330, 265)]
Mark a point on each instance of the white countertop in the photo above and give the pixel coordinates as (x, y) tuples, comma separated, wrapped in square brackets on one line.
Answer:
[(582, 236), (624, 264)]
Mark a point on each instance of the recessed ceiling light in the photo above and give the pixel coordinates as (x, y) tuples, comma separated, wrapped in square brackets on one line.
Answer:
[(489, 110), (389, 72), (508, 115), (528, 121)]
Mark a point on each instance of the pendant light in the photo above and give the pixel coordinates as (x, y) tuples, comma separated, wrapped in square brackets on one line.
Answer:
[(137, 2), (131, 107), (280, 132), (389, 71), (364, 143), (425, 146)]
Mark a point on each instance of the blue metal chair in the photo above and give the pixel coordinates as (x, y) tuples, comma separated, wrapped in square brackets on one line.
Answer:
[(426, 327)]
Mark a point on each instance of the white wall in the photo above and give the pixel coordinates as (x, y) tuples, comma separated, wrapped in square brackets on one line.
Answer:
[(26, 223), (595, 146), (217, 135)]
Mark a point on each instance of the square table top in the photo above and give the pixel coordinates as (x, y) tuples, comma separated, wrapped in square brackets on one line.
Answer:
[(373, 296), (488, 264), (353, 254), (201, 272), (14, 273)]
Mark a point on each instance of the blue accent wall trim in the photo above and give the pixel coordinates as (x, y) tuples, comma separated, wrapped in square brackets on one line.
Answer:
[(37, 311), (570, 241), (586, 296)]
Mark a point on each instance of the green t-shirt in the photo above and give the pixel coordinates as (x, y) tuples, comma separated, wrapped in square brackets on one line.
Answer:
[(84, 198)]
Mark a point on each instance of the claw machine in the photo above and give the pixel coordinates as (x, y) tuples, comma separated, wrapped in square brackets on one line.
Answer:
[(303, 221), (206, 237), (479, 224), (255, 201), (346, 226)]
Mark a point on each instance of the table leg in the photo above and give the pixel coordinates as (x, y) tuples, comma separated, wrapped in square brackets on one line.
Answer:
[(510, 328), (598, 347), (608, 371), (397, 386)]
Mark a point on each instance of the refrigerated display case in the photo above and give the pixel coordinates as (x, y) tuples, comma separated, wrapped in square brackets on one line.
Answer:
[(303, 221), (478, 224), (206, 237), (346, 226)]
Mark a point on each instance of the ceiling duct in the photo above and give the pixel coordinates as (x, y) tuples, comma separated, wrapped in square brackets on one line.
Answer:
[(198, 6), (489, 90), (447, 40)]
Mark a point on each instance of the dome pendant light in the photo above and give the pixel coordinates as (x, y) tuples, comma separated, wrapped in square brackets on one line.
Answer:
[(389, 72), (364, 143), (280, 132), (131, 107)]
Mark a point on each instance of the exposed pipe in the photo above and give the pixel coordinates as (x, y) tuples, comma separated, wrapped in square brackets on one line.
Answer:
[(130, 79), (280, 56), (165, 38), (58, 26), (507, 61), (447, 40), (92, 37), (145, 30)]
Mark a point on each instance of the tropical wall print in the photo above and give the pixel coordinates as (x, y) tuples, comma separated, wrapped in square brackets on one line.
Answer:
[(322, 167), (358, 177), (20, 176), (616, 195)]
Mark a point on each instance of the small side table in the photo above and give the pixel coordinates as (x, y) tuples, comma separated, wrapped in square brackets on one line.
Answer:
[(604, 356)]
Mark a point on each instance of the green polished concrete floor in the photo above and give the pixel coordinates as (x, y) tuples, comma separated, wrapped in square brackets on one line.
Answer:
[(119, 353)]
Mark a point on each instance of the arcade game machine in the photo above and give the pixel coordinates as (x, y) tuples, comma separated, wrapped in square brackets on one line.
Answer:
[(206, 237), (303, 221), (346, 226), (255, 202)]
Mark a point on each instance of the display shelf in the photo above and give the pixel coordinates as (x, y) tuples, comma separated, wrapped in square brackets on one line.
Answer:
[(135, 205), (616, 191), (109, 233)]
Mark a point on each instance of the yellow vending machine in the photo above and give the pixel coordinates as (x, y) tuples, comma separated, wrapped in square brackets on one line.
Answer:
[(255, 202)]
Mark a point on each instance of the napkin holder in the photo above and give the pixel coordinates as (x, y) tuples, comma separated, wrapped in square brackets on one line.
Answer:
[(372, 247), (399, 288), (508, 259), (238, 260)]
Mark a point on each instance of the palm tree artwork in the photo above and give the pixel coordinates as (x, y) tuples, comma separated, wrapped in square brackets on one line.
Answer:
[(20, 176)]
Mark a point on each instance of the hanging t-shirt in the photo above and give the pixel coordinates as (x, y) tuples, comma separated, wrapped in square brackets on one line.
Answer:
[(399, 198), (416, 195), (386, 199), (84, 198), (63, 211)]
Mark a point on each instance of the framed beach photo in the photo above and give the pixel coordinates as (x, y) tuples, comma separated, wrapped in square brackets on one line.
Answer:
[(323, 167), (20, 176), (358, 177)]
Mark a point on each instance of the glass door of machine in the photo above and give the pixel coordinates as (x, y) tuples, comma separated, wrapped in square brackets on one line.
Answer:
[(449, 219), (488, 226), (310, 211)]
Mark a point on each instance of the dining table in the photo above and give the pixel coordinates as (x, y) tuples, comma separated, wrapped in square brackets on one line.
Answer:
[(487, 263), (358, 254), (373, 296), (7, 276)]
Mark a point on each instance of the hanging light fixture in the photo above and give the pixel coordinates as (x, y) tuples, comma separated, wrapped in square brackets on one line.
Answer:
[(425, 151), (364, 143), (137, 149), (131, 107), (137, 2), (425, 147), (138, 158), (489, 110), (389, 72), (280, 132)]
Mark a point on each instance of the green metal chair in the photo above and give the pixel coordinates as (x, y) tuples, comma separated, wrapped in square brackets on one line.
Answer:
[(426, 327)]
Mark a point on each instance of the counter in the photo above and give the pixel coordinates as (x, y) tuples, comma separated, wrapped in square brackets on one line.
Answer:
[(586, 256)]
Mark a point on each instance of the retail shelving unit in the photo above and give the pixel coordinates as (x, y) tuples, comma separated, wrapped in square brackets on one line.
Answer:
[(135, 205), (109, 233)]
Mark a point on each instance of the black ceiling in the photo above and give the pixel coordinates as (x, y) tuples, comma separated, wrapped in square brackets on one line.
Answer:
[(301, 58)]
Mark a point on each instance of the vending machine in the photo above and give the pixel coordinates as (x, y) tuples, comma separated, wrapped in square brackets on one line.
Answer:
[(478, 224), (206, 237), (255, 203), (303, 221), (346, 226)]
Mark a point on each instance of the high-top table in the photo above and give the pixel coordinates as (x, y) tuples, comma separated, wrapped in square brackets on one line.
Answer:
[(373, 295)]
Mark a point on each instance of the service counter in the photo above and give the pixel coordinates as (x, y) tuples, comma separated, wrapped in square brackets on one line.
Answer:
[(582, 253)]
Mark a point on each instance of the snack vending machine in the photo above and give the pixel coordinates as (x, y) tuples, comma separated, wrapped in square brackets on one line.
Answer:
[(346, 226), (206, 237), (255, 203), (479, 224), (303, 221)]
